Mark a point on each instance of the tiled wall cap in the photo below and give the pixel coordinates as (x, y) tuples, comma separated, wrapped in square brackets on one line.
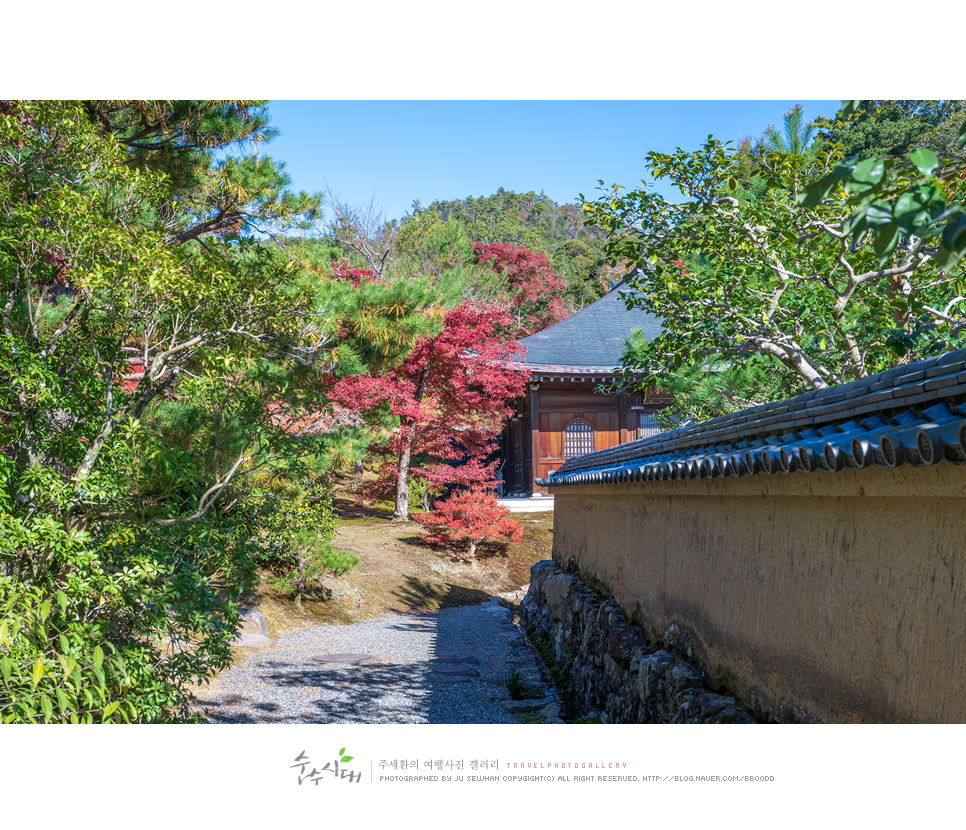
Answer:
[(847, 427)]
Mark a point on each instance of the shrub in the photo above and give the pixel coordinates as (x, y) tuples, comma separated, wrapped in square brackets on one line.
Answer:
[(470, 516), (120, 623), (293, 533)]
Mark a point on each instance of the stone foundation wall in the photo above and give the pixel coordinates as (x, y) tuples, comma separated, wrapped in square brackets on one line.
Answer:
[(832, 598), (610, 666)]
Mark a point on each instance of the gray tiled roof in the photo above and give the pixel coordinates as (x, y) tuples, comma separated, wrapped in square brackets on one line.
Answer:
[(592, 339), (905, 415)]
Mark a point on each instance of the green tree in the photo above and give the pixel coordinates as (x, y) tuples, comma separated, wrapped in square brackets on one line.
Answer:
[(756, 155), (869, 129), (429, 245), (714, 387), (208, 187), (135, 383), (378, 321), (793, 279), (796, 135), (536, 222), (177, 137), (921, 205)]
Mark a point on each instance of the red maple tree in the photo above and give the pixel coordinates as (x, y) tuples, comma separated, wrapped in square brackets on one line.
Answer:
[(451, 395), (472, 516), (535, 288), (343, 270)]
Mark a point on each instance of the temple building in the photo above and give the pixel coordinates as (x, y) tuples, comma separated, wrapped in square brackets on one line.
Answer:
[(563, 415)]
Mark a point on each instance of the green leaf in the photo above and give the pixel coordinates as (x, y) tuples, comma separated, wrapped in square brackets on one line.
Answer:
[(62, 601), (879, 215), (47, 707), (856, 226), (925, 159), (342, 752), (848, 107), (946, 258), (954, 234), (954, 210), (38, 672), (813, 194), (910, 214), (98, 656), (884, 242), (3, 632), (961, 141), (62, 701), (5, 667), (347, 758), (109, 709), (865, 175)]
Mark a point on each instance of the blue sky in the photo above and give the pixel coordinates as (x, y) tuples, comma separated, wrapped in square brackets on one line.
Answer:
[(393, 152)]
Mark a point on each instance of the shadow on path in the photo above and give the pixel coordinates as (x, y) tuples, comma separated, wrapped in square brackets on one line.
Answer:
[(450, 669)]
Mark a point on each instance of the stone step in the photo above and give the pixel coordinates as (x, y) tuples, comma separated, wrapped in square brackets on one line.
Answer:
[(454, 669), (349, 659), (455, 657)]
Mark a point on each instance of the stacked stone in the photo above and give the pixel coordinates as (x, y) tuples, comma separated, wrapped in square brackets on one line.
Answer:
[(610, 666)]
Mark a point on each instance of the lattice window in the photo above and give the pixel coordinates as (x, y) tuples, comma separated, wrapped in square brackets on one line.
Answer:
[(578, 439), (646, 425)]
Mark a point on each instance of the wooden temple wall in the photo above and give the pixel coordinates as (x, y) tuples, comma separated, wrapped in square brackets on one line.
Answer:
[(534, 441)]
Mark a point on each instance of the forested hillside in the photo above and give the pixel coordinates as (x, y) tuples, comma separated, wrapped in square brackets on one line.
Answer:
[(535, 221)]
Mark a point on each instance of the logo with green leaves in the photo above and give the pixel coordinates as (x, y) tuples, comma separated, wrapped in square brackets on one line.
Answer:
[(333, 768)]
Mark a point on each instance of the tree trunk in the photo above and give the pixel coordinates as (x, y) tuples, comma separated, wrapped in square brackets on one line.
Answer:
[(405, 457), (402, 481), (897, 291)]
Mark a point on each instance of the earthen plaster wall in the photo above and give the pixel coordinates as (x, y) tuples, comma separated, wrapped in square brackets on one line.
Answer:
[(832, 597)]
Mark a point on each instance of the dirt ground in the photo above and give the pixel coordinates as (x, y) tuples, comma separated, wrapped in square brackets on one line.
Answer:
[(398, 572)]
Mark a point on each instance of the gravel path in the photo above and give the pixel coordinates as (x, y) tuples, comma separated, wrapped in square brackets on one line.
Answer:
[(445, 666)]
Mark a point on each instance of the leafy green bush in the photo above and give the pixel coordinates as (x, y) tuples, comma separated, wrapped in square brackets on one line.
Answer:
[(118, 623), (293, 533)]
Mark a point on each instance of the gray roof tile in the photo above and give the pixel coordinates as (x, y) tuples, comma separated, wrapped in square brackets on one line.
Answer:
[(925, 396), (951, 357), (593, 337), (760, 426), (938, 383)]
